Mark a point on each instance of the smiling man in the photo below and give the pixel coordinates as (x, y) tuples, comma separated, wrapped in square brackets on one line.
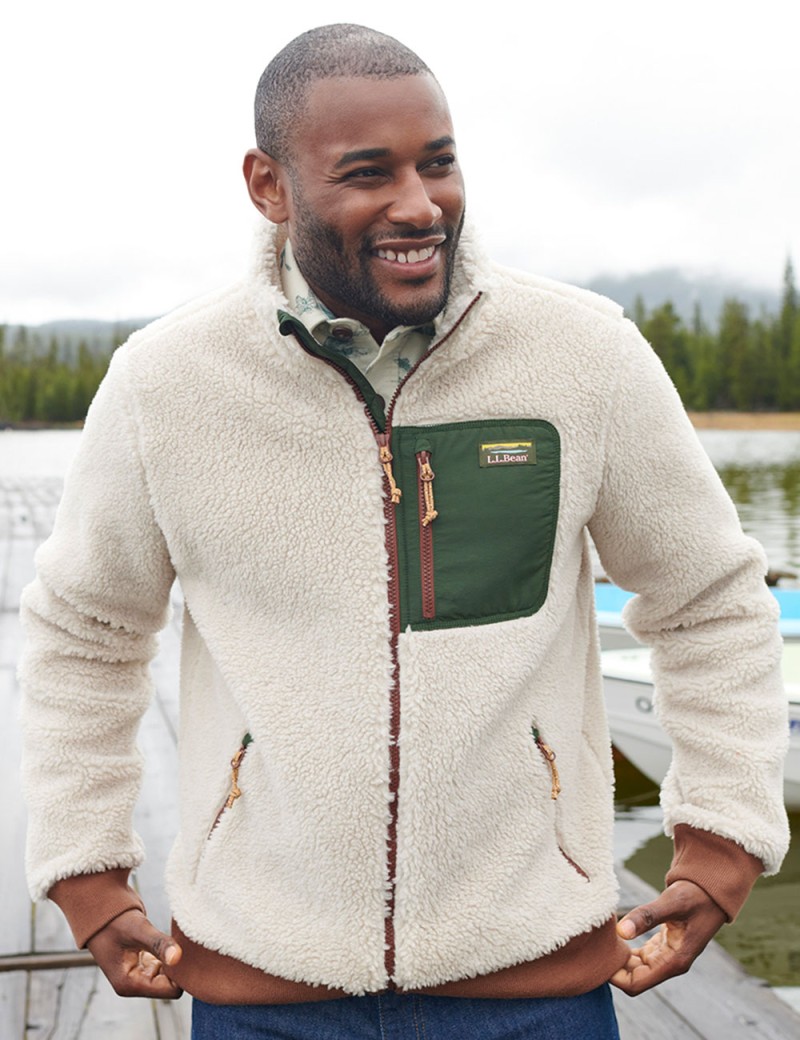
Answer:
[(374, 467), (374, 228)]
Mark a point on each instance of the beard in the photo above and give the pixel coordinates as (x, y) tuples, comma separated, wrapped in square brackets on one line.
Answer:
[(348, 278)]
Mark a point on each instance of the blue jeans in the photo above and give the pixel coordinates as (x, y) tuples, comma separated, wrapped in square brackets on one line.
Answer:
[(409, 1016)]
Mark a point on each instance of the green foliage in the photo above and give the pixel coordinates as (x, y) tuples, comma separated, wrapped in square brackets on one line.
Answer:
[(38, 385), (748, 364)]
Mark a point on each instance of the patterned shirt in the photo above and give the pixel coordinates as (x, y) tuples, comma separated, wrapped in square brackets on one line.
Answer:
[(387, 365)]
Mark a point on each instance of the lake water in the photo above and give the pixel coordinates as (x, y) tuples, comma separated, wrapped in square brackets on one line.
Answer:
[(761, 470)]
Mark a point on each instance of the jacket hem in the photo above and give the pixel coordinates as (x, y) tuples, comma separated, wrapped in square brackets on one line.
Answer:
[(585, 962)]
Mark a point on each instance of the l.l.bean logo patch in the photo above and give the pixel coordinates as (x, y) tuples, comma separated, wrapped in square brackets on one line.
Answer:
[(507, 453)]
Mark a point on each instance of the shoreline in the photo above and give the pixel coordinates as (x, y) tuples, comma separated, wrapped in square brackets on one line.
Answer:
[(745, 420), (722, 420)]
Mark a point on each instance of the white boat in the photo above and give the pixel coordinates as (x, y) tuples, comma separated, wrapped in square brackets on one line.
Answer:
[(628, 689), (610, 599)]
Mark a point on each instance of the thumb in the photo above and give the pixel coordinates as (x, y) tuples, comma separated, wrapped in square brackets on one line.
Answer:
[(166, 949), (161, 945), (640, 920)]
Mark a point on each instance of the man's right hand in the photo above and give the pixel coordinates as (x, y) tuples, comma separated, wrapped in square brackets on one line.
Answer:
[(134, 956)]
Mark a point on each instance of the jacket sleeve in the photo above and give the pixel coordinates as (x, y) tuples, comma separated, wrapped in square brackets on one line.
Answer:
[(666, 529), (91, 617)]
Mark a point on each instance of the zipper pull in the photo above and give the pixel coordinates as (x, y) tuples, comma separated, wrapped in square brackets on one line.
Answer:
[(426, 475), (235, 791), (386, 458), (550, 757)]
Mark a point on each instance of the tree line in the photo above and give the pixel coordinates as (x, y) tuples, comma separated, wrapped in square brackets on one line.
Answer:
[(52, 382), (748, 363)]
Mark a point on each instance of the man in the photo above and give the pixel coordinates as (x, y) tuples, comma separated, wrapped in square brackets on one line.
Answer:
[(373, 466)]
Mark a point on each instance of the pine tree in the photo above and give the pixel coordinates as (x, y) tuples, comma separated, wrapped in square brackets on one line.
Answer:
[(736, 355), (667, 336)]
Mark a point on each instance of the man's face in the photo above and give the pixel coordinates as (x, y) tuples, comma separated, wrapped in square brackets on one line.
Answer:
[(376, 199)]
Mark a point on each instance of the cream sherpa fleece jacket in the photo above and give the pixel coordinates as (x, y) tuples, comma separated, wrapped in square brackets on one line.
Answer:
[(364, 695)]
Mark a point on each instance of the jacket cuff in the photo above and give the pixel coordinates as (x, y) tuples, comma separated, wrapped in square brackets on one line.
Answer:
[(723, 869), (91, 901)]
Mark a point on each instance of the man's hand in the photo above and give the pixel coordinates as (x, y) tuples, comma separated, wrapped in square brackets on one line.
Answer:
[(133, 956), (689, 919)]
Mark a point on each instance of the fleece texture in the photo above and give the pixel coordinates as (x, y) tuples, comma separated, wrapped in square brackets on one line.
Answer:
[(220, 452)]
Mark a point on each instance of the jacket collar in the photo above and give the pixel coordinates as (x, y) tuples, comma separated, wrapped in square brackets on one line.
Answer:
[(471, 274)]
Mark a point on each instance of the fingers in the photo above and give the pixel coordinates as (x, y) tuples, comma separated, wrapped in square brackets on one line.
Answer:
[(134, 957), (689, 919)]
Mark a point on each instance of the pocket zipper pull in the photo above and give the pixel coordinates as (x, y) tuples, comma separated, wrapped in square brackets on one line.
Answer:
[(386, 458), (426, 475), (550, 757), (235, 790)]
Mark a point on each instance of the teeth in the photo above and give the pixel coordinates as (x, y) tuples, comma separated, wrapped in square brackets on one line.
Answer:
[(413, 256)]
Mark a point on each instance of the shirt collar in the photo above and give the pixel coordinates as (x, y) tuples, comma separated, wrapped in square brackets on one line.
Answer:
[(320, 321)]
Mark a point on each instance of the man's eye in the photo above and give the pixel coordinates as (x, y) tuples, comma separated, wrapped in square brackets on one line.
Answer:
[(442, 162), (365, 172)]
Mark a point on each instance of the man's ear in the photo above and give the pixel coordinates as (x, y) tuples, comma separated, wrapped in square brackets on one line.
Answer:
[(268, 184)]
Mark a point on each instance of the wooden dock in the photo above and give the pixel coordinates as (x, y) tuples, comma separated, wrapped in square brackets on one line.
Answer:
[(47, 990)]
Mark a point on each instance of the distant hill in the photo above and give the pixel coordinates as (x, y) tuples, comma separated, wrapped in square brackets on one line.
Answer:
[(93, 332), (99, 336), (683, 290), (655, 287)]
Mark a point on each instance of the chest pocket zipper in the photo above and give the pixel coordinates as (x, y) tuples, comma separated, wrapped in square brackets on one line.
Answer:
[(427, 514)]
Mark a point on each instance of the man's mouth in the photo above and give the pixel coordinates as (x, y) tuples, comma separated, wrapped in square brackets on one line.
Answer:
[(413, 256)]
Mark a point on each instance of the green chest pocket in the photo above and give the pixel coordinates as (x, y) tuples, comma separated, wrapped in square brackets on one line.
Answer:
[(477, 520)]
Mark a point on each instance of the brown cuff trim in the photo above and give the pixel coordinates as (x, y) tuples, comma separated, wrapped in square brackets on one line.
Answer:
[(721, 867), (91, 901)]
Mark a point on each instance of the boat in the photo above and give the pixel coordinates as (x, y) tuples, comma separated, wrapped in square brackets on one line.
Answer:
[(610, 599), (635, 732)]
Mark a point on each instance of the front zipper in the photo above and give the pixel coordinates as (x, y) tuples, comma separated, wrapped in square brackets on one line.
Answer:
[(390, 500), (235, 791), (427, 514), (392, 496)]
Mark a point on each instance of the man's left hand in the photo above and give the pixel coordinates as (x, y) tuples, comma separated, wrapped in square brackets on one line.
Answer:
[(689, 919)]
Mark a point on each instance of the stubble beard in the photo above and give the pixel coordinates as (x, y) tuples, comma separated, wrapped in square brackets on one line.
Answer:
[(320, 253)]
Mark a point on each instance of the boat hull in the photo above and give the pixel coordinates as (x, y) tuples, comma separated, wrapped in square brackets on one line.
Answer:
[(636, 733)]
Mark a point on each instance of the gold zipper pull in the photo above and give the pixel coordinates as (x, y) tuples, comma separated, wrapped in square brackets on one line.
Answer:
[(550, 757), (426, 475), (386, 458), (235, 790)]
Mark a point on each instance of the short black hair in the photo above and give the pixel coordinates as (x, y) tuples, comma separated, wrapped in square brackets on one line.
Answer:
[(326, 52)]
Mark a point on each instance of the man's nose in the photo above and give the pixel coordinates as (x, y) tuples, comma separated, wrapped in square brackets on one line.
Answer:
[(412, 204)]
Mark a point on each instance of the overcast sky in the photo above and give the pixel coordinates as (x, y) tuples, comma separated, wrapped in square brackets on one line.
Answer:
[(595, 138)]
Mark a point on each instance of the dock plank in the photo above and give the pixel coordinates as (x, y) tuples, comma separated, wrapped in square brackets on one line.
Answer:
[(79, 1004), (12, 1006), (15, 935), (651, 1017)]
